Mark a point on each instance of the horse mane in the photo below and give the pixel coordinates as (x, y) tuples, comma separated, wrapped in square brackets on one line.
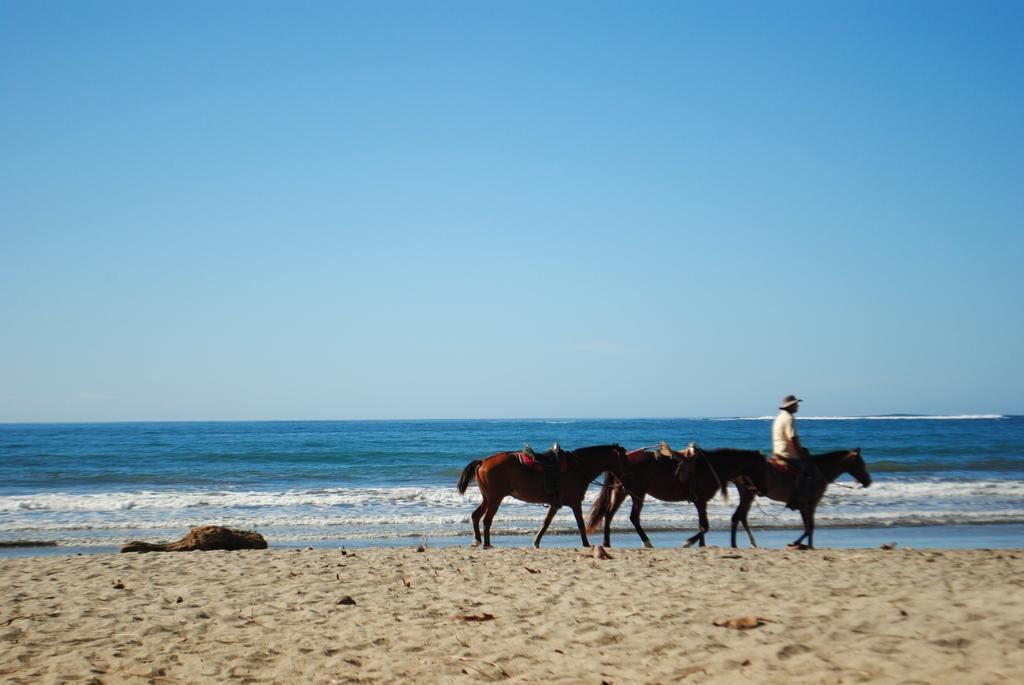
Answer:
[(726, 457), (836, 454), (725, 454), (585, 451), (733, 452)]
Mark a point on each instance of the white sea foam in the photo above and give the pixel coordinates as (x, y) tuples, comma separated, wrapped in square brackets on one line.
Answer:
[(162, 501), (888, 491), (367, 513)]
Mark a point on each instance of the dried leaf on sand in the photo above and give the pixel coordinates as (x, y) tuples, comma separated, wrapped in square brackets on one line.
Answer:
[(476, 617), (742, 622)]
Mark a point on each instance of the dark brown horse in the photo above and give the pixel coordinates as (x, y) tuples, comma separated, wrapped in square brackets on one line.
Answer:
[(779, 486), (694, 475), (502, 474)]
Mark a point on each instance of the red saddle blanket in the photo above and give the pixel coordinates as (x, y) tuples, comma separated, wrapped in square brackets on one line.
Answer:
[(780, 465), (529, 462)]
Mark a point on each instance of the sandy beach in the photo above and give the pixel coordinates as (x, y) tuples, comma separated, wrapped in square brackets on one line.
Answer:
[(461, 615)]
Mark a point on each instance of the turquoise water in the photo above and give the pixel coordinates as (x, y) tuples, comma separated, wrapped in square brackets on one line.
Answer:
[(385, 482)]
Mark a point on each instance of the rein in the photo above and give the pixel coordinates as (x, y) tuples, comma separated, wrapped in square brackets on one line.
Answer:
[(774, 516), (612, 487), (858, 486), (710, 466)]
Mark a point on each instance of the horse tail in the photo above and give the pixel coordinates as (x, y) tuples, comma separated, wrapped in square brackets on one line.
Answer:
[(599, 509), (468, 474), (725, 491)]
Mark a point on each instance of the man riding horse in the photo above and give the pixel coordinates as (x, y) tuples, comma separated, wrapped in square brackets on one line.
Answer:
[(788, 451)]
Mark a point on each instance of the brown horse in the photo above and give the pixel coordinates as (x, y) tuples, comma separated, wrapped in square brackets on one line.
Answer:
[(695, 475), (780, 486), (502, 474)]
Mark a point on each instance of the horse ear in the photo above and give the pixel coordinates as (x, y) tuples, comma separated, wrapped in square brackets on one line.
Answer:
[(856, 451)]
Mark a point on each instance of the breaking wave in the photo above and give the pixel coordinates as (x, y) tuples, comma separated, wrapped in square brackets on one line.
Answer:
[(400, 512)]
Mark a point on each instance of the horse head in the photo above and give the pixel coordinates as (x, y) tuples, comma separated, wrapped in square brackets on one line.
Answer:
[(854, 465)]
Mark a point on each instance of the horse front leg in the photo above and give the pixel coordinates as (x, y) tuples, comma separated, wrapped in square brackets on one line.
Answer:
[(746, 527), (740, 516), (702, 522), (547, 522), (634, 518), (477, 513), (809, 523), (705, 525), (808, 517), (577, 511)]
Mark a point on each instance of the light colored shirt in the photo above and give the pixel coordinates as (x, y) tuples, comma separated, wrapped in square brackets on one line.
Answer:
[(783, 432)]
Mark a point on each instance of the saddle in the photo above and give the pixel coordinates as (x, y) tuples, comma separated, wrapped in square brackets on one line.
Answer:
[(666, 452), (781, 465), (544, 461), (685, 461)]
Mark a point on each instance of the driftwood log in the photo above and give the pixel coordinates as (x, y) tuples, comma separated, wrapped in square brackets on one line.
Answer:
[(204, 538)]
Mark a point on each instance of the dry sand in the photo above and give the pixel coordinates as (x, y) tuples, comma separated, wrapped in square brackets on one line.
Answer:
[(550, 615)]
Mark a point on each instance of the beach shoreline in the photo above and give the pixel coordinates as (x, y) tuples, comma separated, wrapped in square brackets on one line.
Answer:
[(461, 615), (964, 536)]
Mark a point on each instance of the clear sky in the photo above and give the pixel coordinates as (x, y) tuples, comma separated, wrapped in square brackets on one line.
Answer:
[(238, 210)]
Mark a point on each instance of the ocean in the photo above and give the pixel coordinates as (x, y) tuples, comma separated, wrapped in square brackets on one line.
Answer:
[(95, 486)]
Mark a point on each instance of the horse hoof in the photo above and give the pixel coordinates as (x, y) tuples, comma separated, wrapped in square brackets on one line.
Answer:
[(648, 545), (488, 546), (475, 544)]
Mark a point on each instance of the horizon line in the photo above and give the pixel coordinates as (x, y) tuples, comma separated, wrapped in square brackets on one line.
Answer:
[(766, 417)]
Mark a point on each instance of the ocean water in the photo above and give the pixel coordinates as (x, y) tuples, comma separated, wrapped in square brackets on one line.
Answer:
[(382, 482)]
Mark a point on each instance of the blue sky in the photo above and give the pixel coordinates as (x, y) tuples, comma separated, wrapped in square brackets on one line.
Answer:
[(429, 210)]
